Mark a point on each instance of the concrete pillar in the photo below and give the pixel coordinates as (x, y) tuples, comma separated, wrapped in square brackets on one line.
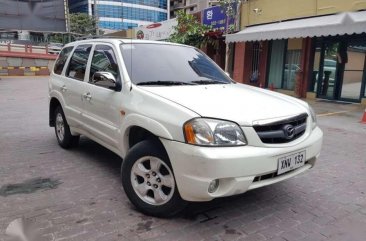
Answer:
[(238, 73), (306, 65), (263, 60), (242, 62)]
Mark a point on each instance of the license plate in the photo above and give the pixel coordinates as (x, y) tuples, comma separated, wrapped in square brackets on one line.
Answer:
[(291, 162)]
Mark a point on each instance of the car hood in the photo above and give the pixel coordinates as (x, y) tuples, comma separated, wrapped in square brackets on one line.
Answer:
[(240, 103)]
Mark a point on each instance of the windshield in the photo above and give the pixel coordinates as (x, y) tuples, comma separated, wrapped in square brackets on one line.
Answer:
[(163, 64)]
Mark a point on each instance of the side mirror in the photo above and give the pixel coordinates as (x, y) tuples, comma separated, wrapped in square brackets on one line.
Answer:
[(104, 79)]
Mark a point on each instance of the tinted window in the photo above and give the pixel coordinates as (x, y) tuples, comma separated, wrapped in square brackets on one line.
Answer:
[(104, 60), (59, 65), (169, 63), (78, 62)]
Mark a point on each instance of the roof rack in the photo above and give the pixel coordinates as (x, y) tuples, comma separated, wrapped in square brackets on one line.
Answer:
[(98, 37)]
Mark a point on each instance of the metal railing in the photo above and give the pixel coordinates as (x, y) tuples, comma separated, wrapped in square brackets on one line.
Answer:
[(29, 49)]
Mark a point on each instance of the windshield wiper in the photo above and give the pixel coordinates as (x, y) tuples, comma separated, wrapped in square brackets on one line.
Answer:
[(208, 82), (165, 82)]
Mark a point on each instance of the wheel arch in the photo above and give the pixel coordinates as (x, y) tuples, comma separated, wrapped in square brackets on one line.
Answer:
[(54, 103), (138, 128)]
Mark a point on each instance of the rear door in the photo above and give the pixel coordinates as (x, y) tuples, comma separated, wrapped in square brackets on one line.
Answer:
[(74, 86), (102, 113)]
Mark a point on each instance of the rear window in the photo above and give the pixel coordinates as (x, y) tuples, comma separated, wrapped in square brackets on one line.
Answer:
[(60, 62)]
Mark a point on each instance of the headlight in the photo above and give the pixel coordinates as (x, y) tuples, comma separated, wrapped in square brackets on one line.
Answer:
[(313, 116), (212, 132)]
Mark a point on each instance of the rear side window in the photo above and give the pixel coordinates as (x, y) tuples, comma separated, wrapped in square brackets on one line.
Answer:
[(78, 62), (60, 63)]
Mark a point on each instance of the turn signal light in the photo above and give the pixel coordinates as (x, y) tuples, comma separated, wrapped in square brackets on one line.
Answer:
[(188, 130)]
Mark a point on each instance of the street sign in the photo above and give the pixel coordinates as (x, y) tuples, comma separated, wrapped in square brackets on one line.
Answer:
[(216, 18)]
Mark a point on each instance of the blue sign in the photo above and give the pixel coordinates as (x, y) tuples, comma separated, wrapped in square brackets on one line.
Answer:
[(216, 18)]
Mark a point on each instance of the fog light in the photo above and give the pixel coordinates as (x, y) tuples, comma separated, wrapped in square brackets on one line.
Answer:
[(213, 186)]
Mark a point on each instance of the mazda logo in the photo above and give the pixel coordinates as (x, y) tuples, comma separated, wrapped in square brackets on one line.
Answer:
[(289, 131)]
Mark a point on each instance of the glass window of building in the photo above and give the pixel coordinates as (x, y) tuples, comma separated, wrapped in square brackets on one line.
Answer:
[(315, 73), (119, 16), (285, 63), (292, 63)]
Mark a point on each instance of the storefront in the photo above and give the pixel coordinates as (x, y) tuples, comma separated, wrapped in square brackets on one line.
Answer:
[(338, 71), (319, 57)]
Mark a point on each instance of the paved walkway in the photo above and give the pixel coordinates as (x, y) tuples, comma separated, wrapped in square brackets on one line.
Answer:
[(76, 195)]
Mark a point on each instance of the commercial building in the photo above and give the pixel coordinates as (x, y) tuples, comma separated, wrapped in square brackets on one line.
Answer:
[(313, 48), (190, 6), (31, 20), (122, 14)]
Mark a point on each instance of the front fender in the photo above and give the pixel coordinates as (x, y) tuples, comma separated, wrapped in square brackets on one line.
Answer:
[(144, 122)]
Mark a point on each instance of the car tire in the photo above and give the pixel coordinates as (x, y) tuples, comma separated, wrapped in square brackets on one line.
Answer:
[(62, 130), (148, 180)]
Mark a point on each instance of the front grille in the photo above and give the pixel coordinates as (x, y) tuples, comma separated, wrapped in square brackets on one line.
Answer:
[(283, 131)]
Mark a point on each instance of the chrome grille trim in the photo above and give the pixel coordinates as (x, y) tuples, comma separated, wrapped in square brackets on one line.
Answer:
[(274, 133)]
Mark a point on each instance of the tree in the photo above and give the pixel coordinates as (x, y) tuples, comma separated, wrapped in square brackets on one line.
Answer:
[(82, 24), (232, 11), (190, 31), (56, 38)]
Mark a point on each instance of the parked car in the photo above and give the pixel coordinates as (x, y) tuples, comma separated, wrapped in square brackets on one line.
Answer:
[(330, 67), (186, 132), (54, 48)]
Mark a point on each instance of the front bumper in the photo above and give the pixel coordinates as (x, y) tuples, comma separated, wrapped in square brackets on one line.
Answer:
[(235, 167)]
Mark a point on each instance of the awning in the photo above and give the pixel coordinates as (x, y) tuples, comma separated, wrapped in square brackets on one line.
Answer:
[(330, 25)]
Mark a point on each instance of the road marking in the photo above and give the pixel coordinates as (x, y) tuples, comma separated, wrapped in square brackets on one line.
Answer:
[(333, 113)]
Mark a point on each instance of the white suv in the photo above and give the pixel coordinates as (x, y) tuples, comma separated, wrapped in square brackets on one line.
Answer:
[(185, 130)]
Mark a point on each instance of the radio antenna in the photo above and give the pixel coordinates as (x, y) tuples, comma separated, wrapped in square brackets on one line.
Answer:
[(131, 75)]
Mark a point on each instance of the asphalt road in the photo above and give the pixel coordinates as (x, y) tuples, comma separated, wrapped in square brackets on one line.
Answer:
[(76, 195)]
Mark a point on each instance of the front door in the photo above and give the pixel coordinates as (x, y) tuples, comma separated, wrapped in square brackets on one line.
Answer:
[(102, 113), (328, 71)]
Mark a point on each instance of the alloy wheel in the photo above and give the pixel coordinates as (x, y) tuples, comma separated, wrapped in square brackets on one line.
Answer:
[(60, 127), (152, 180)]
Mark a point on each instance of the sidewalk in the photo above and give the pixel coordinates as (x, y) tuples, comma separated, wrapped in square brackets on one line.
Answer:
[(325, 108)]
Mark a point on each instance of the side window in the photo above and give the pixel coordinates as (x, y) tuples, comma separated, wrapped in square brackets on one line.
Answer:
[(78, 62), (61, 60), (105, 60)]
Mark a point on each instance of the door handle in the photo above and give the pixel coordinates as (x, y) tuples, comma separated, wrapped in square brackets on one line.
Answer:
[(87, 96), (63, 88)]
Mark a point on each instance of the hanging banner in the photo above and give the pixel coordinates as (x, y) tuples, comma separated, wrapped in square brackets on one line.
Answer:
[(156, 31)]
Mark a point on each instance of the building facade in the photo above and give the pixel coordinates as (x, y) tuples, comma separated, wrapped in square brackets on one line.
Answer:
[(122, 14), (31, 21), (313, 49), (190, 6)]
